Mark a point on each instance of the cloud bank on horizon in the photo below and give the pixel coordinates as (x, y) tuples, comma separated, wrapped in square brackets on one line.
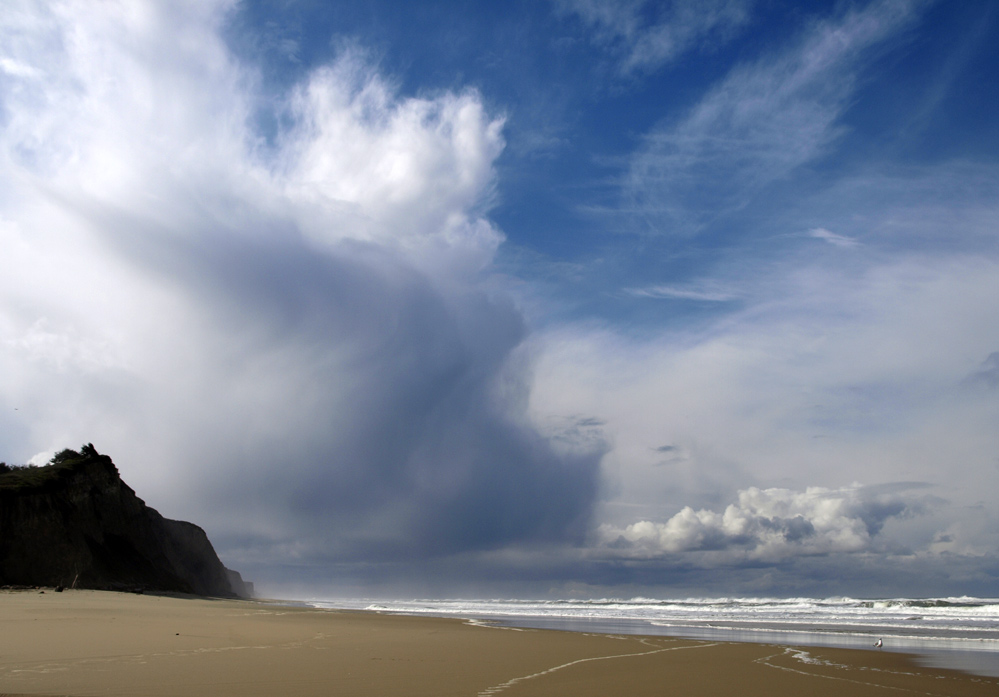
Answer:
[(696, 297)]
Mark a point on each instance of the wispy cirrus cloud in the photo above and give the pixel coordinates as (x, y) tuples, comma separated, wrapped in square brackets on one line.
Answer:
[(295, 334), (704, 293), (677, 27), (763, 121), (842, 241)]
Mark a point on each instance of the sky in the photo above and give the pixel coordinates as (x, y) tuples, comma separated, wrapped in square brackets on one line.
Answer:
[(541, 298)]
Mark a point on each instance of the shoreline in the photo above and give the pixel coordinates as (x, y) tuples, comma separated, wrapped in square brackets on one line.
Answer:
[(980, 662), (82, 643), (958, 653)]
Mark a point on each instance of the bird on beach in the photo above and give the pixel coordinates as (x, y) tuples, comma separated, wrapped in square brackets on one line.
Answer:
[(879, 643)]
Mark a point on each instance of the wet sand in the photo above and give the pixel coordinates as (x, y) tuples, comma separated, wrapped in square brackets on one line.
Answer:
[(95, 643)]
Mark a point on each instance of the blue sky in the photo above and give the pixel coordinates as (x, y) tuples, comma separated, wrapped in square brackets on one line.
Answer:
[(536, 298)]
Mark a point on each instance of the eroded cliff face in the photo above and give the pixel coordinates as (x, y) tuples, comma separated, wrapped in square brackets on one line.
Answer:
[(75, 522)]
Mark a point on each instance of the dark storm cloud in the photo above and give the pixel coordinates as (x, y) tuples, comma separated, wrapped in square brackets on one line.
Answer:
[(305, 358), (266, 283), (394, 422)]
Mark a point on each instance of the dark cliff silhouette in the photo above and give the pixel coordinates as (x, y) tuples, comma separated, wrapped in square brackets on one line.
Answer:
[(75, 523)]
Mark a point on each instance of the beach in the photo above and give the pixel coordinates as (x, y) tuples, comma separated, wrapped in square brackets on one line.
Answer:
[(102, 643)]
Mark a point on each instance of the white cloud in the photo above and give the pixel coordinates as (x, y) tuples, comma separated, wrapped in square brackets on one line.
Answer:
[(679, 26), (767, 525), (704, 294), (754, 128), (832, 238), (17, 69), (287, 342), (948, 207), (821, 376), (413, 172), (290, 342)]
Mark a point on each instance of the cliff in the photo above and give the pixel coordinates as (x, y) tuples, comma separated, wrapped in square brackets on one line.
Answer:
[(75, 523)]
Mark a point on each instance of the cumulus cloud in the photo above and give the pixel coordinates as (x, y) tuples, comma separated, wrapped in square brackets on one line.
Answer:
[(288, 340), (293, 338), (822, 374), (769, 525), (413, 173)]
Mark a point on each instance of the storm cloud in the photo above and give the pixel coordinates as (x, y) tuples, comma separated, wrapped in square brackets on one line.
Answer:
[(290, 341), (716, 308)]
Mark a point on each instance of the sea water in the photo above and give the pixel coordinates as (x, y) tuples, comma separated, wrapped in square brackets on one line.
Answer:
[(960, 632)]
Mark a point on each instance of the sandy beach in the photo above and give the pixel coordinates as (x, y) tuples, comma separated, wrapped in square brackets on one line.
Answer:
[(101, 643)]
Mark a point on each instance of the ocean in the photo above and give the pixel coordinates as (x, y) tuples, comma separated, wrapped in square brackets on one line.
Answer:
[(959, 632)]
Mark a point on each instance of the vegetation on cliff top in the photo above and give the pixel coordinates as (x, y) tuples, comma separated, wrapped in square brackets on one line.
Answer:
[(29, 477)]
